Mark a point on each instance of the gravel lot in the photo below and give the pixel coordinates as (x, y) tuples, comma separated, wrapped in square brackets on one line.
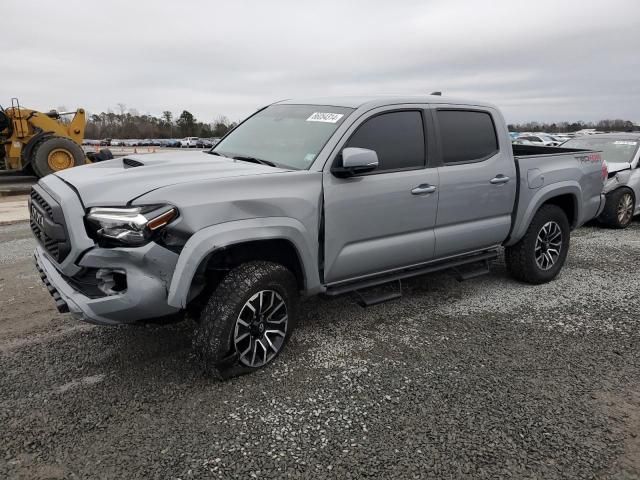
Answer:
[(482, 379)]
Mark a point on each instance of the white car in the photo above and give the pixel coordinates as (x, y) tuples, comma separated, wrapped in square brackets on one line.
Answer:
[(621, 151), (189, 142), (540, 139)]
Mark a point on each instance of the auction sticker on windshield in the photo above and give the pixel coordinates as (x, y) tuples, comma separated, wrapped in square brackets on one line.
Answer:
[(325, 117), (625, 142)]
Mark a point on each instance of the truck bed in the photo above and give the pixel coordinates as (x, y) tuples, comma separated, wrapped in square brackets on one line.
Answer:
[(575, 174), (535, 150)]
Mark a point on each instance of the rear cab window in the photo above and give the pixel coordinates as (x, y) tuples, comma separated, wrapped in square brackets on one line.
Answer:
[(466, 135), (397, 137)]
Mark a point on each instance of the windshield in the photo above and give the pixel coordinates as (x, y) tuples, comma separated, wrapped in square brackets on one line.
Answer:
[(614, 150), (288, 136)]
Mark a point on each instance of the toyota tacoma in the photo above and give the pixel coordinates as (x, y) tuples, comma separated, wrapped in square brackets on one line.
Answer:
[(314, 196)]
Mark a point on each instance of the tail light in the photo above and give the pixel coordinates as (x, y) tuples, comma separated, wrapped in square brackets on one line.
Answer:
[(605, 170)]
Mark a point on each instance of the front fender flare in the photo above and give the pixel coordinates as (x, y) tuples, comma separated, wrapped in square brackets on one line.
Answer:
[(205, 241), (619, 180)]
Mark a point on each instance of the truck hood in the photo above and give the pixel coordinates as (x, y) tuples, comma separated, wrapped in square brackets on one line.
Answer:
[(117, 182)]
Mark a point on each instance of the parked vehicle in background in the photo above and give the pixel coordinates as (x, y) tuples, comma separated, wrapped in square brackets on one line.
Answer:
[(189, 142), (540, 139), (586, 131), (561, 137), (306, 197), (622, 153), (105, 142), (169, 142)]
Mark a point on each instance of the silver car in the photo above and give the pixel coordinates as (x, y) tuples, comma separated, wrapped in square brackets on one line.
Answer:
[(621, 152)]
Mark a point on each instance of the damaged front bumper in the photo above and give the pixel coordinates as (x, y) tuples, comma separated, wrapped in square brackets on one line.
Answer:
[(147, 270)]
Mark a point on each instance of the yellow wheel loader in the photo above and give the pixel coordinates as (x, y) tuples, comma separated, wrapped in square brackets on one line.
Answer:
[(42, 142)]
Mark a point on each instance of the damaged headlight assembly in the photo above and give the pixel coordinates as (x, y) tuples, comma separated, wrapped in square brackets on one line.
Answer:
[(132, 226)]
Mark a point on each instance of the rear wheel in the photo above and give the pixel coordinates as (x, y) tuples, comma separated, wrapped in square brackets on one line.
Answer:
[(248, 319), (54, 154), (539, 256), (619, 208)]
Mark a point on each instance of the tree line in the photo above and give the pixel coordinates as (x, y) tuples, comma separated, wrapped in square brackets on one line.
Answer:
[(131, 124), (617, 125)]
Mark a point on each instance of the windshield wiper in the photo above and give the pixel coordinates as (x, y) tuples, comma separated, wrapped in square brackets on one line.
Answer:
[(211, 152), (254, 160)]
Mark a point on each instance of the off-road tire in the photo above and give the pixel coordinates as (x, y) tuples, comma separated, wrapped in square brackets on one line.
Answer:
[(521, 259), (101, 156), (609, 216), (213, 337), (41, 151)]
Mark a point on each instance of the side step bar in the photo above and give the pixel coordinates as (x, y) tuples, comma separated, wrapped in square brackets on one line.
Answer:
[(482, 269), (368, 300), (484, 257)]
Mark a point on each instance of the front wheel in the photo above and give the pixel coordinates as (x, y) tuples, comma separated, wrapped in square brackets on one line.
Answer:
[(618, 209), (539, 256), (247, 320)]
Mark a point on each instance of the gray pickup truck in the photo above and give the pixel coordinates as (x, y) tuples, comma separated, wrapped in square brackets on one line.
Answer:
[(317, 196)]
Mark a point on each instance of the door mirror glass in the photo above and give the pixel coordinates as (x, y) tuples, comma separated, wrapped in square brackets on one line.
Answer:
[(356, 160)]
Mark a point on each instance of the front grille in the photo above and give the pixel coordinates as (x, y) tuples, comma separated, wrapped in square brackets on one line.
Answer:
[(37, 198), (49, 244), (52, 232)]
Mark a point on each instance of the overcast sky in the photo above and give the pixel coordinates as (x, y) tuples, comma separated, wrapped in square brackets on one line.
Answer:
[(537, 60)]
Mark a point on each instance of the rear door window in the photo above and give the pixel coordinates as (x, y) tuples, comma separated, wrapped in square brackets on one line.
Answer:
[(466, 136), (397, 138)]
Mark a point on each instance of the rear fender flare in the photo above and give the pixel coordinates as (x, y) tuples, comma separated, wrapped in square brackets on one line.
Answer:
[(541, 197), (209, 239)]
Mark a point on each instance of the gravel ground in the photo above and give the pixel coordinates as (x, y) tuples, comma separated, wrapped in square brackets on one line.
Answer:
[(482, 379)]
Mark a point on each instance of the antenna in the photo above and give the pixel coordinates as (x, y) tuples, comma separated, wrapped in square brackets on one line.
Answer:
[(436, 93)]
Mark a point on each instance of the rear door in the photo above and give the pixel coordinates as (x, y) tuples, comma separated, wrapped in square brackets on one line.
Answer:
[(381, 220), (477, 180)]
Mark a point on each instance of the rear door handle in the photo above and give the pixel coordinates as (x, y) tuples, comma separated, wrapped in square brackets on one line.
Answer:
[(423, 189), (498, 179)]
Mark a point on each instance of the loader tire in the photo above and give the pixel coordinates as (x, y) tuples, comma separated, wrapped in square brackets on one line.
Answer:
[(54, 154)]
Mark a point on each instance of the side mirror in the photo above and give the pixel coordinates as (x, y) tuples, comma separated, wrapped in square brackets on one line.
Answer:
[(355, 161)]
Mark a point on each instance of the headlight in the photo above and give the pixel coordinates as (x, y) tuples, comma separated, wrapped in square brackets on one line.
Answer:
[(129, 226)]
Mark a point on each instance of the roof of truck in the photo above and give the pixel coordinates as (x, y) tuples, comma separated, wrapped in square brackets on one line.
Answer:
[(374, 101)]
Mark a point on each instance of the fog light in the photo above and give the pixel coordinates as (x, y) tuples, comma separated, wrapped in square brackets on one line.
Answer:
[(110, 281)]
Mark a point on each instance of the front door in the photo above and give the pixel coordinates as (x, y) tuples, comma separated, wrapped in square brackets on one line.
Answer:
[(384, 219)]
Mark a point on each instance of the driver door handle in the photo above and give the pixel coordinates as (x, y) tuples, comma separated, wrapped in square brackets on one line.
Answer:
[(498, 179), (423, 189)]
